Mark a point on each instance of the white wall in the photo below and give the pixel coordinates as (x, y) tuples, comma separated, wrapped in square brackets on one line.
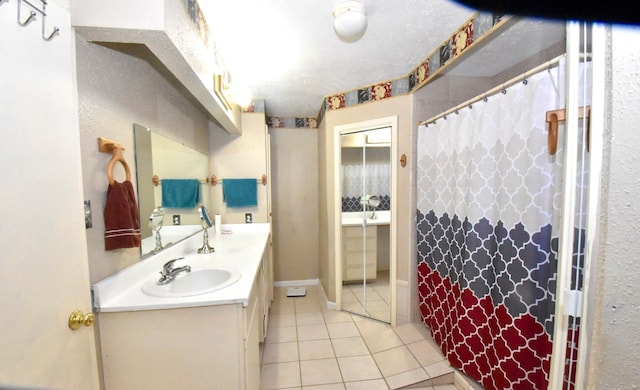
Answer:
[(43, 251), (615, 349)]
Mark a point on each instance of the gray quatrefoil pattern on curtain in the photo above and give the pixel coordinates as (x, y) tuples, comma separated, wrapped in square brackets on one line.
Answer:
[(488, 204)]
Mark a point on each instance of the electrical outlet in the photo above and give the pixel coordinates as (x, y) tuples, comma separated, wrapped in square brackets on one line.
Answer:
[(88, 222), (248, 218), (176, 219)]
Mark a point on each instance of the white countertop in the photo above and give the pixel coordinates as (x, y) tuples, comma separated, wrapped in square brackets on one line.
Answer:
[(241, 250), (383, 217)]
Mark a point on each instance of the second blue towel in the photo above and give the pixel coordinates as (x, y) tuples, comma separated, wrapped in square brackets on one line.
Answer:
[(240, 192)]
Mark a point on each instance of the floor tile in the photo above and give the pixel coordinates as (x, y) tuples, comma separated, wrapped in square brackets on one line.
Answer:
[(280, 352), (282, 307), (408, 333), (367, 326), (381, 341), (280, 375), (309, 346), (331, 386), (377, 306), (311, 318), (333, 317), (342, 330), (407, 378), (307, 306), (280, 320), (396, 360), (357, 368), (445, 387), (315, 349), (437, 369), (377, 384), (282, 335), (312, 332), (317, 372), (351, 346), (425, 353)]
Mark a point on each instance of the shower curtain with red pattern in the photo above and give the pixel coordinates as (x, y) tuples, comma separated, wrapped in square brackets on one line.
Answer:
[(488, 206)]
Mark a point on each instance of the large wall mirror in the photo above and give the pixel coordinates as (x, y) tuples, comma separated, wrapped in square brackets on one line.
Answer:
[(165, 159), (366, 188)]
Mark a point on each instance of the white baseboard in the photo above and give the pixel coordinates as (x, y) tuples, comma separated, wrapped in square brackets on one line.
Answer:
[(296, 283)]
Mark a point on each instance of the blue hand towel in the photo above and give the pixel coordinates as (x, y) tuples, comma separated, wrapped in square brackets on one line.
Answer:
[(180, 193), (240, 192)]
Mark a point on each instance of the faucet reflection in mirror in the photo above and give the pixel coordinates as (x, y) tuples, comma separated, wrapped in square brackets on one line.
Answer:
[(206, 224), (159, 156), (370, 202), (156, 219)]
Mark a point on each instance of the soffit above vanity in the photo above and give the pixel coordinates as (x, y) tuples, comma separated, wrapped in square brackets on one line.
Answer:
[(168, 32)]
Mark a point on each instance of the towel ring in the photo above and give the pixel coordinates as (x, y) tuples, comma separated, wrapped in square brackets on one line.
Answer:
[(117, 156), (108, 146)]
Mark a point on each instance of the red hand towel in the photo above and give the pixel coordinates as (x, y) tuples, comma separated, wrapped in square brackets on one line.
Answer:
[(121, 219)]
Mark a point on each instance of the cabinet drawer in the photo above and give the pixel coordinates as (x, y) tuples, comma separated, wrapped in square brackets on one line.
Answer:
[(359, 232), (357, 245), (355, 273), (357, 259)]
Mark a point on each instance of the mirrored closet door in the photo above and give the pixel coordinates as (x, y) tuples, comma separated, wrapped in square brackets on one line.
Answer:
[(366, 218)]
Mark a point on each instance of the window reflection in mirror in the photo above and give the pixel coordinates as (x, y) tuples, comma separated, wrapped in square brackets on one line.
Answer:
[(165, 158)]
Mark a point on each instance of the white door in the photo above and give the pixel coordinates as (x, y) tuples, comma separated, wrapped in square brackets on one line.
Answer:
[(44, 273)]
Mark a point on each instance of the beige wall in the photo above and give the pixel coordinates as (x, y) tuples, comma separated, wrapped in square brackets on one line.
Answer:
[(241, 157), (294, 163), (402, 107), (115, 90)]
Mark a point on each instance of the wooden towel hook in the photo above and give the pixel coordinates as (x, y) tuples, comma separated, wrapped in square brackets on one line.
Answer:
[(555, 116), (108, 146)]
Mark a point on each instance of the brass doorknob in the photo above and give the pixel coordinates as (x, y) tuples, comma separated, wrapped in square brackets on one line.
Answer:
[(78, 318)]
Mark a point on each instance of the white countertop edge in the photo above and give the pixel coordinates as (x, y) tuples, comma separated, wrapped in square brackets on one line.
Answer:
[(241, 250), (174, 305), (383, 217)]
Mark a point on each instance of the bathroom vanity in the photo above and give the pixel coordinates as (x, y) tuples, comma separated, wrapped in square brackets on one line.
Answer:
[(205, 341)]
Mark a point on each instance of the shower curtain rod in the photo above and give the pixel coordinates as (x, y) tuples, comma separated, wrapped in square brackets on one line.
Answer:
[(547, 65)]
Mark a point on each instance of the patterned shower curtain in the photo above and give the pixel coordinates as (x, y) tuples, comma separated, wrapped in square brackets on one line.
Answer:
[(488, 204)]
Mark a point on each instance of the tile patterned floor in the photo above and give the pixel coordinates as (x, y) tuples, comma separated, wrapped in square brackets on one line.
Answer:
[(374, 302), (311, 347)]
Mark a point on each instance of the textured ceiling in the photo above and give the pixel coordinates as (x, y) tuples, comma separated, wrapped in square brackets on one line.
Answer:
[(287, 52)]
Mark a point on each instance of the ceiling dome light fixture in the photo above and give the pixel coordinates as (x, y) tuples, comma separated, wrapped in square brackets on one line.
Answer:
[(350, 20)]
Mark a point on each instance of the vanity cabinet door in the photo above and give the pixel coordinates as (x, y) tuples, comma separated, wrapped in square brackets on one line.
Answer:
[(252, 353)]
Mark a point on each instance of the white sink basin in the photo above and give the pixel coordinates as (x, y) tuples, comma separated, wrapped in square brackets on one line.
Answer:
[(197, 282)]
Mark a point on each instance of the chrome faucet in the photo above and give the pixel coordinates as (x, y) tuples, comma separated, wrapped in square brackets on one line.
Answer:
[(169, 273)]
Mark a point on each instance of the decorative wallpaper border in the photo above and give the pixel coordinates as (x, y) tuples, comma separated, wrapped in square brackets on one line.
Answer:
[(480, 25), (276, 122), (198, 19), (462, 39)]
